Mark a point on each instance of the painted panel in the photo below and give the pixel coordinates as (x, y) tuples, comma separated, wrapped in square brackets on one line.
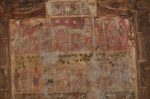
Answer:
[(68, 58), (25, 36), (120, 95), (115, 66), (64, 8), (33, 56), (64, 35), (27, 10), (112, 33), (28, 71), (111, 71)]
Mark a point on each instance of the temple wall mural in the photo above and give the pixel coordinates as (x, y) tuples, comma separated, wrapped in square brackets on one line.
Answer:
[(74, 49), (73, 58)]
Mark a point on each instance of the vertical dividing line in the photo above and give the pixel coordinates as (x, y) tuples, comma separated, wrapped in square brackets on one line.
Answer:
[(50, 33), (13, 58), (123, 44), (12, 65), (93, 34), (66, 18), (70, 45), (10, 59), (104, 32), (137, 81), (47, 29), (9, 79), (21, 37)]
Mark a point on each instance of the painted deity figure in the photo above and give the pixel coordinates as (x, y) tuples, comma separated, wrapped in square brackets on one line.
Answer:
[(36, 78), (25, 78)]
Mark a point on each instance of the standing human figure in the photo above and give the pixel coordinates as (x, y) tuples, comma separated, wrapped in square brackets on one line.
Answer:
[(25, 78), (36, 78)]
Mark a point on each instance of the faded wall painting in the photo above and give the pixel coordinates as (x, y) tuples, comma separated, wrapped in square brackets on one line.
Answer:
[(112, 33), (73, 58), (24, 10), (71, 8)]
